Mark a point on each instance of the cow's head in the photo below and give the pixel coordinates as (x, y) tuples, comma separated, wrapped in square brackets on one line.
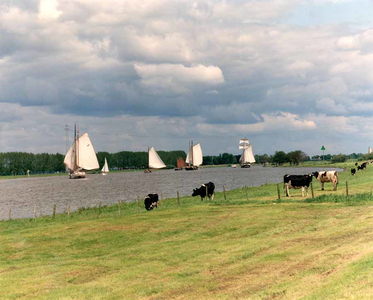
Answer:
[(195, 192), (315, 174)]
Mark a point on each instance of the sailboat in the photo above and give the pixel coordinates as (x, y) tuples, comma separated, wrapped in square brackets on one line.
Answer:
[(247, 156), (194, 158), (180, 164), (154, 161), (105, 168), (81, 156)]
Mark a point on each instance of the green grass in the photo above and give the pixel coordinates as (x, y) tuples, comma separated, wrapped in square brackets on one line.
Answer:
[(261, 248)]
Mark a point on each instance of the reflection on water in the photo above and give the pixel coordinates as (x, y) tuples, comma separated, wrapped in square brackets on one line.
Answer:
[(44, 192)]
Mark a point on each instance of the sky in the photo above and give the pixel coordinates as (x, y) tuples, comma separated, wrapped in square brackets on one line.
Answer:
[(287, 74)]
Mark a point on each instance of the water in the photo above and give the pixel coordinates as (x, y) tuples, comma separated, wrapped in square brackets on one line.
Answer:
[(23, 194)]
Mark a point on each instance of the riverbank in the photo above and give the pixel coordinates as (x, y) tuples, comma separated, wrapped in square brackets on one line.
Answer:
[(262, 247)]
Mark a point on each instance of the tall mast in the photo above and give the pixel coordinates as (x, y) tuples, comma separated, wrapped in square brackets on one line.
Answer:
[(75, 156), (192, 152)]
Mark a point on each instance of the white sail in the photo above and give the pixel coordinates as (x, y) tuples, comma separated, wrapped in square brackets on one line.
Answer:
[(105, 168), (197, 155), (155, 162), (85, 157), (69, 160), (244, 141), (247, 156)]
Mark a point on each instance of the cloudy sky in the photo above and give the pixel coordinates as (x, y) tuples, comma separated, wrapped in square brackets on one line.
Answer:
[(287, 74)]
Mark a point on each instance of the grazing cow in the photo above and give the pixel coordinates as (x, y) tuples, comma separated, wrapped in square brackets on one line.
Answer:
[(353, 171), (363, 166), (151, 201), (356, 164), (297, 182), (327, 176), (202, 191)]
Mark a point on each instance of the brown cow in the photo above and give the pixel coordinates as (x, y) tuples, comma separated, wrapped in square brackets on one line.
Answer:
[(327, 176)]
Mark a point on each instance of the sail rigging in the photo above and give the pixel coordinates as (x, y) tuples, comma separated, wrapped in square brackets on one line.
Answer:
[(247, 156), (194, 157), (155, 162), (81, 156), (105, 168)]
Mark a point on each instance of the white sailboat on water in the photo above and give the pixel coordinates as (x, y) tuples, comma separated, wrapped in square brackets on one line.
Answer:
[(154, 161), (194, 157), (81, 156), (105, 168), (247, 157)]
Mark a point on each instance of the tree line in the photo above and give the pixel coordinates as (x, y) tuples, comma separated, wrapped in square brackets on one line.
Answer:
[(17, 163)]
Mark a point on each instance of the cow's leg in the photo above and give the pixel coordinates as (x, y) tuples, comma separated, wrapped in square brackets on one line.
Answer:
[(302, 191), (212, 196), (322, 185), (306, 190), (287, 190)]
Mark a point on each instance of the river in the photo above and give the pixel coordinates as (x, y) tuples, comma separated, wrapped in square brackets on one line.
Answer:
[(22, 194)]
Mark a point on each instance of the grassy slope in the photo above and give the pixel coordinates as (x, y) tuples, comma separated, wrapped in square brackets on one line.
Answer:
[(261, 248)]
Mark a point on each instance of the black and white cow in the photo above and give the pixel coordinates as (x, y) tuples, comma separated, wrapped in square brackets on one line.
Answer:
[(363, 166), (151, 201), (297, 182), (353, 171), (202, 191)]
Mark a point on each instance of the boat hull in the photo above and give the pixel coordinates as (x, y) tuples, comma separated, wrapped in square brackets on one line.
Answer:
[(245, 166), (191, 168), (77, 175)]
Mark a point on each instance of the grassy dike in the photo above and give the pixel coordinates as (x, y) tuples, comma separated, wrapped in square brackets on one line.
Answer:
[(261, 248)]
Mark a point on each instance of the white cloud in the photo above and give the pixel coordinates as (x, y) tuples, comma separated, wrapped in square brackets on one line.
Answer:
[(178, 77)]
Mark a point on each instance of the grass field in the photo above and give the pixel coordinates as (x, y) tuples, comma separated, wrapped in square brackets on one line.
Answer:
[(261, 248)]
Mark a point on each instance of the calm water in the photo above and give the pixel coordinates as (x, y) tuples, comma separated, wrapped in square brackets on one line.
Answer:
[(22, 194)]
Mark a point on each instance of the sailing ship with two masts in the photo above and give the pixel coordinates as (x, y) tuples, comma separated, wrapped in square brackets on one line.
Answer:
[(81, 156), (247, 157), (154, 161), (194, 157)]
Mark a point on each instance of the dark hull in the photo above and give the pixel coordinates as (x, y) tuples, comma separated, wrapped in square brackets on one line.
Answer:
[(191, 168), (178, 169), (245, 166)]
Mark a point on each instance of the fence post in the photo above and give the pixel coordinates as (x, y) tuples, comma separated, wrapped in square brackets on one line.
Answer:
[(225, 197), (278, 192), (138, 203), (178, 198), (54, 211), (347, 188), (99, 208), (247, 194), (118, 207), (206, 194), (312, 191)]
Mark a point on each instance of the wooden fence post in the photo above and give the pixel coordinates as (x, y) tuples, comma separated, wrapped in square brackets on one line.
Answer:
[(247, 194), (118, 207), (347, 188), (54, 211), (99, 208), (138, 203), (225, 197), (178, 198), (312, 191), (206, 194), (278, 192)]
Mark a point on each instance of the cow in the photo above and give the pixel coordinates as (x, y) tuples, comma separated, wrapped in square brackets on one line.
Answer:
[(363, 166), (297, 182), (151, 201), (353, 171), (202, 191), (327, 176)]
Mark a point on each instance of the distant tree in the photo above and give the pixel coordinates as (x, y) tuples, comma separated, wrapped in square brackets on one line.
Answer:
[(339, 158), (279, 158)]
